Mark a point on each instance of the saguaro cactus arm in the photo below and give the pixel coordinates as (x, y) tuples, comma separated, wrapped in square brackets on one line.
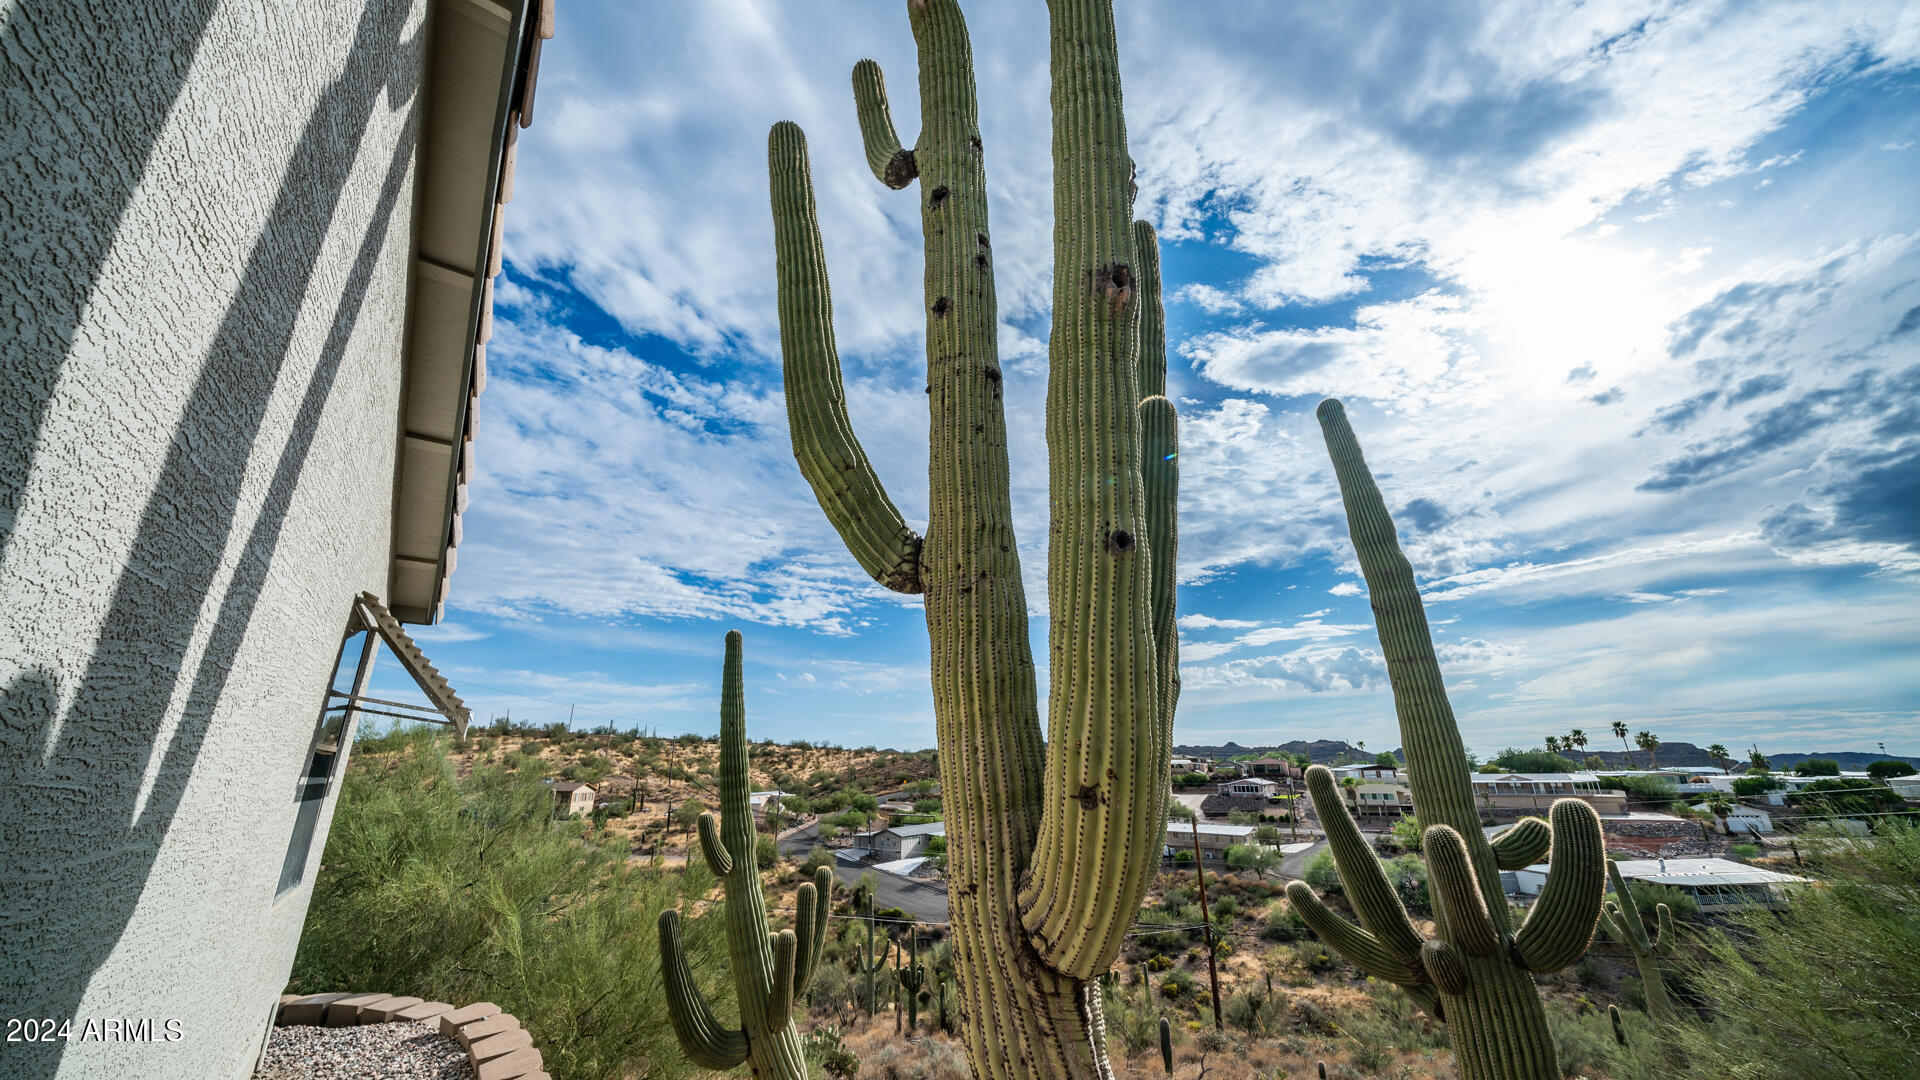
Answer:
[(718, 860), (1099, 831), (1374, 898), (829, 453), (891, 165), (810, 926), (1523, 845), (1457, 904), (1367, 952), (706, 1042), (1563, 920)]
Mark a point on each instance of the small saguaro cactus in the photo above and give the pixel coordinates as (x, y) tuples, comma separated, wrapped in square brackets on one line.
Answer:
[(1050, 845), (1476, 973), (1619, 1026), (871, 964), (1166, 1045), (770, 971), (912, 978), (1624, 924)]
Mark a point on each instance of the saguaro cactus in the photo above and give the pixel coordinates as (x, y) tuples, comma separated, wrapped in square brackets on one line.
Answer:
[(1624, 924), (871, 964), (912, 978), (1476, 974), (1049, 850), (770, 971)]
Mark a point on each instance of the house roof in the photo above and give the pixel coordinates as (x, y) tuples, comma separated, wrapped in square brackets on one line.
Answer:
[(931, 828), (1207, 829), (482, 62), (1256, 781), (1537, 778), (1694, 873), (571, 785)]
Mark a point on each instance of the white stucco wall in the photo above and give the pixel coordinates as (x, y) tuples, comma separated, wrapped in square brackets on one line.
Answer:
[(206, 219)]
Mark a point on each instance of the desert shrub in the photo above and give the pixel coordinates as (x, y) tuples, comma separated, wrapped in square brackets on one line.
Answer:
[(1847, 795), (766, 854), (1791, 1004), (1178, 985), (1818, 767), (1315, 957), (1648, 896), (1745, 851), (1409, 877), (465, 890), (1323, 874), (1285, 924), (1309, 1016), (823, 1048), (1749, 786), (1647, 792), (1887, 770)]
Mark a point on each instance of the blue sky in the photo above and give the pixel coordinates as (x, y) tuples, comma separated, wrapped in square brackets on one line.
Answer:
[(1623, 299)]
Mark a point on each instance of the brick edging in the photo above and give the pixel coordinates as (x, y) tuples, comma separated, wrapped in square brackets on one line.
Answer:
[(496, 1044)]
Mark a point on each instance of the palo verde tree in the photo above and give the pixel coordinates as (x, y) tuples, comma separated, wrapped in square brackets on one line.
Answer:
[(1050, 847), (770, 971), (1476, 973)]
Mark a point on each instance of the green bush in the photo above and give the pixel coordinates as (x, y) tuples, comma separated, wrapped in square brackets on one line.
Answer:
[(1409, 877), (1323, 874), (1817, 767), (1529, 761), (1285, 924), (466, 890), (1824, 986), (1748, 787), (1887, 770), (1647, 792)]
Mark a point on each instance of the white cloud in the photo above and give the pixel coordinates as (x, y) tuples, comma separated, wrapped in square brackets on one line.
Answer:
[(1196, 621)]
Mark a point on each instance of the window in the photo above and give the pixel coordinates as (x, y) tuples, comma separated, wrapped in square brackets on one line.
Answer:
[(330, 738)]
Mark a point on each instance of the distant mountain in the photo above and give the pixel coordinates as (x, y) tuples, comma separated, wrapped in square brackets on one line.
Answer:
[(1322, 751), (1687, 755), (1670, 755)]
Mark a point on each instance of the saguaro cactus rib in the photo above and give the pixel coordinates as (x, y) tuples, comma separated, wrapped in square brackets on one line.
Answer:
[(1049, 850), (1477, 970), (769, 970)]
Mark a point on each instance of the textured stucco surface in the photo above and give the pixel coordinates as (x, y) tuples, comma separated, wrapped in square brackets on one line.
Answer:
[(205, 211)]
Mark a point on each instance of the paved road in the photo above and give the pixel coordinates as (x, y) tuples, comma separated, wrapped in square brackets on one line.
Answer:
[(922, 900)]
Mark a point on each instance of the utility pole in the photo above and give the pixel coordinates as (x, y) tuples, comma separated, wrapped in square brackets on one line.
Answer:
[(570, 718), (1206, 920)]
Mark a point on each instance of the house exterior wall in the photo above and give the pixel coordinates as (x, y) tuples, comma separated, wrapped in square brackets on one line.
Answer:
[(208, 223)]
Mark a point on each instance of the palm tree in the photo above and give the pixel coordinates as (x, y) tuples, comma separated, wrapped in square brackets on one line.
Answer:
[(1620, 732), (1578, 739), (1553, 744), (1718, 802), (1719, 755), (1647, 741), (1758, 760)]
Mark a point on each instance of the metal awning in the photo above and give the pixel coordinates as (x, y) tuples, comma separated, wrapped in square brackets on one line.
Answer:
[(374, 617)]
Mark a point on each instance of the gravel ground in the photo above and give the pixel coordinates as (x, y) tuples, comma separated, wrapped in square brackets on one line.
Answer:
[(401, 1051)]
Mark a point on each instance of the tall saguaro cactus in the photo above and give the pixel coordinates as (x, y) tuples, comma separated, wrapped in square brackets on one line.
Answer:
[(1623, 923), (1476, 973), (770, 971), (1049, 849)]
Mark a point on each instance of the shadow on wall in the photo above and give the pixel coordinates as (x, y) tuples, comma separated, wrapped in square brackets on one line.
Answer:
[(77, 858)]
